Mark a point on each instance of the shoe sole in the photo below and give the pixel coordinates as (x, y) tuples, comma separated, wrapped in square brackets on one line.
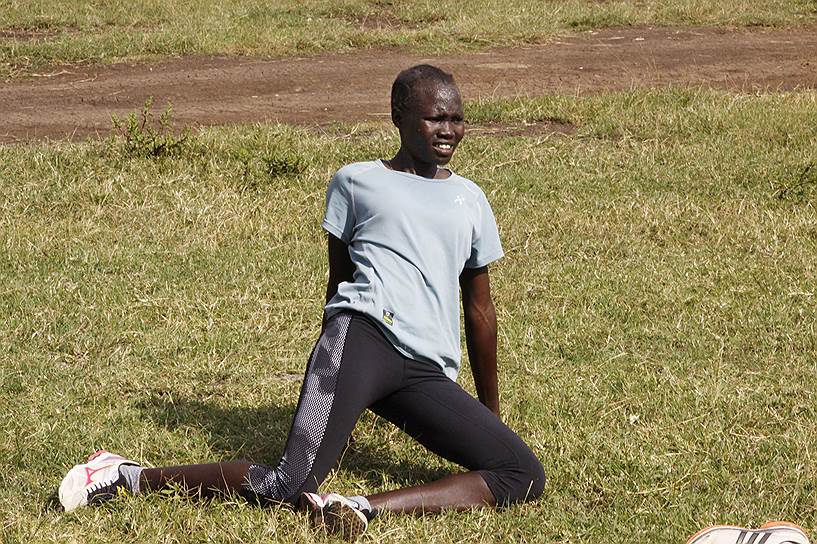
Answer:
[(768, 526), (340, 520), (70, 489), (773, 524), (337, 518)]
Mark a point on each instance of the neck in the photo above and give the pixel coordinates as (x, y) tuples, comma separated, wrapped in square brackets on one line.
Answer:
[(403, 162)]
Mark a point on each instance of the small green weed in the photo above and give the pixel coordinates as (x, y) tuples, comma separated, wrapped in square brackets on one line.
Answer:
[(798, 190), (259, 168), (142, 136), (283, 165)]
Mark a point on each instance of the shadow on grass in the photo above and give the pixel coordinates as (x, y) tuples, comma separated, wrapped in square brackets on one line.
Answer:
[(259, 433)]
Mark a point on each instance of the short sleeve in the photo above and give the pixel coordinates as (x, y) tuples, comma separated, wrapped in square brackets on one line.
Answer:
[(339, 219), (485, 244)]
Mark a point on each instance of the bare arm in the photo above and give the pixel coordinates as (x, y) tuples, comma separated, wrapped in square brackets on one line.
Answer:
[(341, 267), (480, 334)]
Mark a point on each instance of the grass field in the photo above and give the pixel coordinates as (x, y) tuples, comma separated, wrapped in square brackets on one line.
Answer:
[(36, 33), (657, 308)]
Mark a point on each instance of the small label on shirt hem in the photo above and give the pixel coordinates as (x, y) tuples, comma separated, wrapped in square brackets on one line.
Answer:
[(388, 317)]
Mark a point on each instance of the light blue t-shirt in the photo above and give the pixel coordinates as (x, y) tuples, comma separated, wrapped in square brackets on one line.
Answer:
[(409, 238)]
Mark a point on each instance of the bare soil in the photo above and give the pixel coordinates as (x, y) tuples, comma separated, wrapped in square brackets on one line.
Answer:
[(77, 102)]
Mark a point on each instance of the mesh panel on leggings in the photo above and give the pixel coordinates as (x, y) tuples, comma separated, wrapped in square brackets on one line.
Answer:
[(311, 417)]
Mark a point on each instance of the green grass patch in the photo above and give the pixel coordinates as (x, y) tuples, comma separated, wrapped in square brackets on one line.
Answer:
[(37, 33), (656, 304)]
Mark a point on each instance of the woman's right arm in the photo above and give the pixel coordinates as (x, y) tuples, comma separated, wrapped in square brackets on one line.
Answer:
[(341, 267)]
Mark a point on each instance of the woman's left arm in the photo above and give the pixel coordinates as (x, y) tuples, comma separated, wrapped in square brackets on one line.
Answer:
[(480, 334)]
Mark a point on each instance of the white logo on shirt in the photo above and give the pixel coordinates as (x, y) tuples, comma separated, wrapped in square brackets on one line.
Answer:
[(459, 201)]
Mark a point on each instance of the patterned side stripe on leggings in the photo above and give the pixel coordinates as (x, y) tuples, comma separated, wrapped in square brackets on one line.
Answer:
[(310, 421)]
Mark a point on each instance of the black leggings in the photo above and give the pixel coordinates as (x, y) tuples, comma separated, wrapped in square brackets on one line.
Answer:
[(354, 367)]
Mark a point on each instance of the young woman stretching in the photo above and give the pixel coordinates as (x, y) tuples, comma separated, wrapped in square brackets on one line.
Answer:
[(404, 238)]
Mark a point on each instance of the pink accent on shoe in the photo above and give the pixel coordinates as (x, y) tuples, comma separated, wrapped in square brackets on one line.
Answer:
[(90, 472), (96, 454)]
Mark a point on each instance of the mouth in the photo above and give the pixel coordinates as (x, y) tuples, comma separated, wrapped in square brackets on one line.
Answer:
[(444, 148)]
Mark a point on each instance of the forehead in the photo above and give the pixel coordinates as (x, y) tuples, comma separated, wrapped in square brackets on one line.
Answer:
[(435, 96)]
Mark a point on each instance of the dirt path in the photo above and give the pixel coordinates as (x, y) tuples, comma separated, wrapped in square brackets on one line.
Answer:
[(344, 87)]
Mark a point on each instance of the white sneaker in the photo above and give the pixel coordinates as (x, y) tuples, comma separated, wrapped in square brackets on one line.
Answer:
[(773, 532), (335, 513), (93, 482)]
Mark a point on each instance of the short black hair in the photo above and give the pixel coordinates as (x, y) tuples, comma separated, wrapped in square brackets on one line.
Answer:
[(407, 81)]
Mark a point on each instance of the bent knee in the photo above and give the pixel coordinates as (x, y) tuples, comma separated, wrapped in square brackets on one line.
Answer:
[(536, 478), (521, 482)]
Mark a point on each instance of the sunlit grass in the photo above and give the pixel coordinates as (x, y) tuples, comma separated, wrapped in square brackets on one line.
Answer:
[(656, 304)]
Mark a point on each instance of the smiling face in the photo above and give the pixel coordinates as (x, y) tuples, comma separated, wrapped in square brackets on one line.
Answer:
[(433, 125)]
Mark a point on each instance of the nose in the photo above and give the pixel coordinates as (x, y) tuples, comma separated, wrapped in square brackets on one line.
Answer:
[(446, 129)]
